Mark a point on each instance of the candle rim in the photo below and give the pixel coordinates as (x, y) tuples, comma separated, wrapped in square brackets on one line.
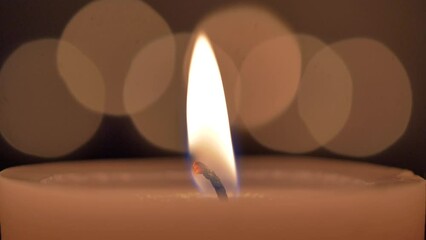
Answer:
[(35, 174)]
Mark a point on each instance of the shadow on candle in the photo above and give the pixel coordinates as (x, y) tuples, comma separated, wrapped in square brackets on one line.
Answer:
[(39, 116)]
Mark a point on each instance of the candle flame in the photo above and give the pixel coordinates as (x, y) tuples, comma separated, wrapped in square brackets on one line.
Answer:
[(209, 135)]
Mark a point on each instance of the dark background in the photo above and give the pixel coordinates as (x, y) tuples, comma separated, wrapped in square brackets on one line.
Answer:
[(399, 24)]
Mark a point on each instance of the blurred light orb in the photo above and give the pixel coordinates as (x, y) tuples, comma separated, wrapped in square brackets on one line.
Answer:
[(382, 98), (150, 73), (163, 123), (309, 46), (39, 116), (325, 95), (288, 132), (270, 76), (285, 133), (110, 33), (238, 29), (81, 76)]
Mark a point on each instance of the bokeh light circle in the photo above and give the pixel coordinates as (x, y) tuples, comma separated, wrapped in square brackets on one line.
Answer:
[(163, 123), (238, 29), (110, 33), (81, 76), (39, 116), (382, 98), (288, 132), (150, 73), (270, 76), (285, 133), (325, 95)]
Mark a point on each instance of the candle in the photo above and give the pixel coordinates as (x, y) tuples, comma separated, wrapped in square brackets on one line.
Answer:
[(281, 198)]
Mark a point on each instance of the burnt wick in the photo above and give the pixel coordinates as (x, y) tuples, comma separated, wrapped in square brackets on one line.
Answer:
[(201, 168)]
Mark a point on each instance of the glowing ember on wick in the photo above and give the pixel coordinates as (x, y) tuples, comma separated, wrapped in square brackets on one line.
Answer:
[(201, 168)]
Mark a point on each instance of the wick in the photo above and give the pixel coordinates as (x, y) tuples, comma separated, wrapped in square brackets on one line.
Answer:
[(201, 168)]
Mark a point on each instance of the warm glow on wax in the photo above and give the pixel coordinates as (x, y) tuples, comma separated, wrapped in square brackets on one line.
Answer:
[(209, 134)]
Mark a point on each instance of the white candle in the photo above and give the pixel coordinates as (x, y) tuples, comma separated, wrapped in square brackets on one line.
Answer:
[(281, 198)]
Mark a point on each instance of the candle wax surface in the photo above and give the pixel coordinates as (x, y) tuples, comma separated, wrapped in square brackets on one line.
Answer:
[(280, 198)]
